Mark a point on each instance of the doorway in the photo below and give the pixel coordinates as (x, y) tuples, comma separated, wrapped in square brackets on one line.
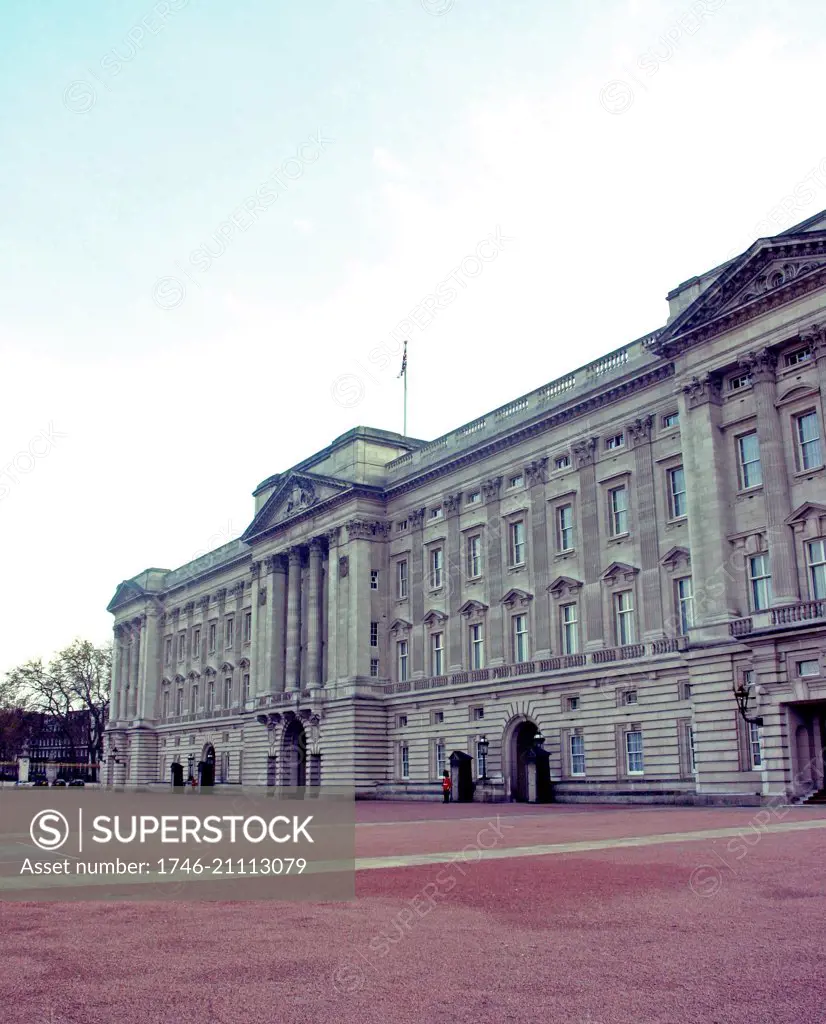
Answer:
[(521, 746), (295, 755)]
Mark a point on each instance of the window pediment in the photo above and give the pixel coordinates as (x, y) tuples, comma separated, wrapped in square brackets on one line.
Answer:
[(619, 572), (516, 598), (676, 558), (795, 393), (193, 676), (473, 608), (226, 667), (399, 626), (434, 617), (808, 518), (179, 679), (565, 586)]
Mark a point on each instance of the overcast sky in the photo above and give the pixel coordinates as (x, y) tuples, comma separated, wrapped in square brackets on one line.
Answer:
[(191, 288)]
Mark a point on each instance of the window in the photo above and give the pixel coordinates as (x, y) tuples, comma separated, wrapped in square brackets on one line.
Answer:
[(210, 696), (401, 579), (520, 638), (436, 568), (477, 646), (624, 618), (618, 510), (742, 380), (168, 651), (246, 690), (810, 667), (473, 498), (577, 748), (440, 758), (374, 668), (800, 355), (196, 643), (374, 634), (617, 441), (685, 691), (751, 473), (165, 704), (481, 761), (401, 660), (474, 557), (227, 691), (671, 419), (212, 632), (692, 755), (685, 604), (230, 632), (515, 481), (478, 714), (816, 557), (438, 717), (633, 752), (562, 462), (568, 628), (436, 513), (572, 703), (402, 722), (405, 761), (247, 627), (760, 581), (807, 432), (677, 503), (629, 697), (565, 527), (194, 699), (437, 654), (181, 646), (179, 703), (401, 526), (517, 543), (374, 579), (755, 753)]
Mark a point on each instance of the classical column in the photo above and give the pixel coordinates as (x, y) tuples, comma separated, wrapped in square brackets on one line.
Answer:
[(255, 573), (493, 537), (452, 503), (293, 618), (585, 453), (416, 586), (116, 697), (815, 338), (314, 614), (536, 478), (333, 660), (776, 494), (150, 668), (134, 663), (639, 433)]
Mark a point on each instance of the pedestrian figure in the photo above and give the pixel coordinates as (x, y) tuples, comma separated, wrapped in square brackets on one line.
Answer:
[(191, 781), (446, 786)]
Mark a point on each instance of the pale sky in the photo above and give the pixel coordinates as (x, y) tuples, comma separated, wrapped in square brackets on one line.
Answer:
[(615, 147)]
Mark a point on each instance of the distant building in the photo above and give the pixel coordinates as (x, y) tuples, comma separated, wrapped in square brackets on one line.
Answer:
[(65, 741), (601, 560)]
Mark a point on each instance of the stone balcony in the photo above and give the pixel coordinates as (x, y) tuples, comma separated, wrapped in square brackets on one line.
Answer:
[(774, 618)]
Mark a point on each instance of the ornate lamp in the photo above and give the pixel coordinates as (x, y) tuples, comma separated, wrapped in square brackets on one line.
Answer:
[(482, 747), (539, 741), (743, 694)]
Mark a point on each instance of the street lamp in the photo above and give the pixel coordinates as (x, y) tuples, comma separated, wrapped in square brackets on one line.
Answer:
[(743, 694), (482, 747), (539, 741)]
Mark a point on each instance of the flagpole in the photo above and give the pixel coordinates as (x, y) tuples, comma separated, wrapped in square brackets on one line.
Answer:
[(405, 401)]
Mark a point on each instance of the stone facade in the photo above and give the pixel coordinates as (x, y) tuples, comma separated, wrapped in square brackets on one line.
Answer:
[(602, 560)]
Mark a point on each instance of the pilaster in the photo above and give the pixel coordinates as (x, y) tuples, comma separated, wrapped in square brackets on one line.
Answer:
[(452, 503), (293, 618), (639, 433), (493, 538), (536, 478), (585, 453)]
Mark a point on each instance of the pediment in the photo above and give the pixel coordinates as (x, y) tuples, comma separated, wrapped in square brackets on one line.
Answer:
[(295, 495), (808, 510), (227, 667), (434, 616), (676, 556), (400, 626), (619, 571), (473, 608), (517, 597), (179, 679), (564, 585), (798, 391), (125, 592)]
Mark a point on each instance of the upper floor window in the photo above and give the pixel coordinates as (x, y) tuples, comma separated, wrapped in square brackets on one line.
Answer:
[(374, 634), (677, 499), (401, 660), (473, 498), (617, 441), (374, 579), (181, 646), (629, 697), (520, 638), (477, 646), (179, 702), (624, 618), (569, 628), (742, 380), (245, 694), (474, 556), (194, 698), (760, 581), (168, 651), (374, 668), (478, 714), (247, 627), (227, 691), (230, 632), (437, 654), (807, 433), (565, 527), (618, 510), (212, 633), (436, 568), (816, 557), (210, 696), (517, 543), (748, 452), (809, 667), (671, 419), (515, 481), (401, 578), (401, 526), (196, 643), (165, 704), (685, 604), (436, 513), (562, 462), (799, 355), (572, 703)]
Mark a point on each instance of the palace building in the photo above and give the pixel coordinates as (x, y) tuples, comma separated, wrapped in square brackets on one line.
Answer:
[(576, 582)]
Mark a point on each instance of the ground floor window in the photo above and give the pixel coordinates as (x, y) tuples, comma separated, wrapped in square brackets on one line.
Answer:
[(633, 752), (754, 745), (577, 754)]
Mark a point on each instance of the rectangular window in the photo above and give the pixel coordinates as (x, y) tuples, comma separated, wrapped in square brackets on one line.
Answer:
[(807, 432), (437, 654), (401, 526), (436, 568), (212, 633), (436, 513), (565, 528), (247, 627), (755, 753), (481, 761), (440, 759), (477, 646), (624, 618), (751, 472), (374, 579), (228, 692), (210, 696), (577, 747), (478, 714), (520, 638), (405, 761), (179, 703), (692, 755), (246, 692), (401, 579), (474, 557), (629, 697), (374, 634), (671, 419), (810, 667), (617, 441), (401, 660), (742, 380), (618, 510), (677, 500), (181, 646), (194, 699), (572, 703), (196, 643), (816, 557), (229, 632), (760, 583), (402, 722), (374, 668), (517, 543), (168, 651), (438, 717), (562, 462), (515, 481), (473, 498), (685, 604), (166, 704), (685, 691), (800, 355), (633, 753), (569, 628)]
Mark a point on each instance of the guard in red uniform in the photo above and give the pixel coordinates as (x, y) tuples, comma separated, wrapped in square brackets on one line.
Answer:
[(446, 786)]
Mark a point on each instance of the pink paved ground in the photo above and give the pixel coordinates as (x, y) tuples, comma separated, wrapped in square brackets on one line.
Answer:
[(605, 937)]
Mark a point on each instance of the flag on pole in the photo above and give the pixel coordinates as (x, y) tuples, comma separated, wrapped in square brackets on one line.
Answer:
[(404, 362)]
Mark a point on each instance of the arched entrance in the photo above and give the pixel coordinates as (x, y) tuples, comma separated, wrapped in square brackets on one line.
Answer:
[(294, 758), (206, 766), (521, 743)]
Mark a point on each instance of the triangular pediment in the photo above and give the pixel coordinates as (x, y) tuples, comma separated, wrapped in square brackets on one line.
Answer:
[(517, 597), (125, 592), (434, 616), (770, 272), (620, 570), (296, 494), (473, 608), (808, 510), (564, 585), (675, 556), (400, 626)]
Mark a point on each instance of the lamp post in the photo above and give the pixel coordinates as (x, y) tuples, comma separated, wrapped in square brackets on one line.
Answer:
[(743, 694), (482, 747), (539, 741)]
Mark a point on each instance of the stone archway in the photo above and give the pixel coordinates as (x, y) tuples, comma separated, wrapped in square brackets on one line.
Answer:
[(294, 755), (206, 766), (519, 740)]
